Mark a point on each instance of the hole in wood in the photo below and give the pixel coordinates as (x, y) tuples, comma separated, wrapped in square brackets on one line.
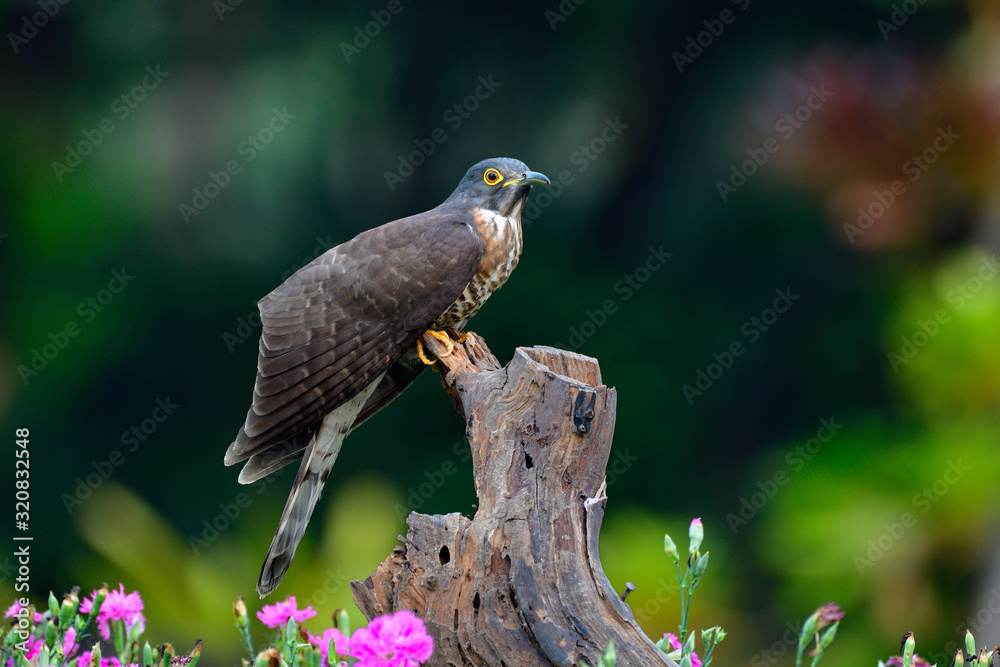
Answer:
[(444, 555), (528, 463), (475, 602)]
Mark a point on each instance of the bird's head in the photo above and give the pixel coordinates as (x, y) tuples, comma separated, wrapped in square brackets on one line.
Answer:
[(499, 184)]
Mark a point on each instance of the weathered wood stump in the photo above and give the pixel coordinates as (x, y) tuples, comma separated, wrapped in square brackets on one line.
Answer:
[(520, 584)]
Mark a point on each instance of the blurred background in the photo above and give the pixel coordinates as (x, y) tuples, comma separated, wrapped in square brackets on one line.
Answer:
[(814, 369)]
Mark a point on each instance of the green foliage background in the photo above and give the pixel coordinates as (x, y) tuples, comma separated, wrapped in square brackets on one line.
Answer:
[(828, 532)]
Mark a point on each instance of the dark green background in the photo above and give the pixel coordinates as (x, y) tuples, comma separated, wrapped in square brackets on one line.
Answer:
[(322, 180)]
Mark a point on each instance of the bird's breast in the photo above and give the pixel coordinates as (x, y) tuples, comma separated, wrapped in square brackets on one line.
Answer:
[(501, 237)]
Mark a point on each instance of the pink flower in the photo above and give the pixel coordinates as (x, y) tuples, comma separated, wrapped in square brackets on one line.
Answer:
[(341, 644), (120, 607), (34, 648), (86, 604), (84, 661), (15, 609), (69, 641), (675, 644), (897, 661), (277, 615), (399, 640)]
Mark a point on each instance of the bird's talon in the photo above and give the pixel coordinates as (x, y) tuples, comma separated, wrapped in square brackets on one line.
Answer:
[(423, 357), (444, 338)]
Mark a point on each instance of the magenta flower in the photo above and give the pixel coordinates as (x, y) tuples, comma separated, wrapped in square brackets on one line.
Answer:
[(86, 604), (675, 644), (69, 641), (84, 661), (34, 648), (14, 609), (341, 645), (897, 661), (119, 607), (399, 640), (277, 615)]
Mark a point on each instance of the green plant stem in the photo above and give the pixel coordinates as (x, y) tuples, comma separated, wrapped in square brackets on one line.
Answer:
[(682, 581)]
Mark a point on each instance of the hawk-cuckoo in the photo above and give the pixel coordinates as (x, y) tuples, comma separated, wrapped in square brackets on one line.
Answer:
[(341, 336)]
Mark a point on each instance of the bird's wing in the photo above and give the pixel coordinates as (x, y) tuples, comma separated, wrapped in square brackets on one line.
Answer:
[(342, 320)]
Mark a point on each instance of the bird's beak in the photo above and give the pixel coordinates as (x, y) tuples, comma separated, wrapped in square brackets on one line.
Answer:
[(529, 178)]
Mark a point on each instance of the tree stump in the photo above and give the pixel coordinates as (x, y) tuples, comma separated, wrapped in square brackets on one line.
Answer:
[(521, 583)]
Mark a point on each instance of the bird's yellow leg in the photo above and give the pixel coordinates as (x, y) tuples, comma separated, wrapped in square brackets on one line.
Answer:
[(423, 357), (461, 340), (444, 338)]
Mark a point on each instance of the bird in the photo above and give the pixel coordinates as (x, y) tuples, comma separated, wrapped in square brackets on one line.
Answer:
[(341, 336)]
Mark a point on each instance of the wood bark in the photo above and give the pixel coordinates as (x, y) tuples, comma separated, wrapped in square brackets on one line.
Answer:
[(521, 583)]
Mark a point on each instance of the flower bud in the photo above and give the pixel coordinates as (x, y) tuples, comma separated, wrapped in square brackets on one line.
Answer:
[(195, 654), (909, 646), (99, 596), (95, 654), (240, 613), (70, 604), (342, 621), (670, 548), (696, 533), (970, 643), (700, 566)]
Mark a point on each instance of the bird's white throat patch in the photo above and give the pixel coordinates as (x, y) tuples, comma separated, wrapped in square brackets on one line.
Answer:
[(504, 224)]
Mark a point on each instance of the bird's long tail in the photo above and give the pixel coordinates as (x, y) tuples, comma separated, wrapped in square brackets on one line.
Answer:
[(306, 489), (317, 462)]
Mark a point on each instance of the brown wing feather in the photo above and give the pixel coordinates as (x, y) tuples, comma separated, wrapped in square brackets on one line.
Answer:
[(346, 317)]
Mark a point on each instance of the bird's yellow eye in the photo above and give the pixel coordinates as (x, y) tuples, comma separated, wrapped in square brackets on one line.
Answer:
[(492, 177)]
